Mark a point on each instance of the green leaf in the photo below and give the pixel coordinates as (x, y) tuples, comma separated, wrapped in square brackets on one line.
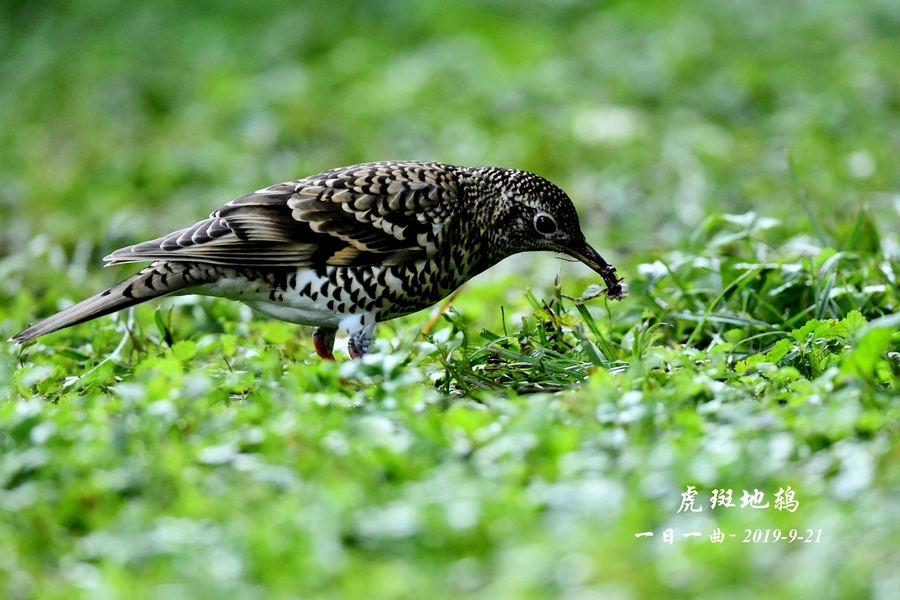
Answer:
[(889, 322), (164, 331), (779, 350), (863, 360), (184, 350), (803, 333), (830, 329), (854, 322)]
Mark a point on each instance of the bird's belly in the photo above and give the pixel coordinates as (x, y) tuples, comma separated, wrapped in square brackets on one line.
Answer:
[(345, 297), (296, 299), (312, 314)]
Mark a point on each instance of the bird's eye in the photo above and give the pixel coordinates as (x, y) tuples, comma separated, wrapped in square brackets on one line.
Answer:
[(544, 224)]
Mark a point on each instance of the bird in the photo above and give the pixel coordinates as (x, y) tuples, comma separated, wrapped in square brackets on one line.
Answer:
[(350, 247)]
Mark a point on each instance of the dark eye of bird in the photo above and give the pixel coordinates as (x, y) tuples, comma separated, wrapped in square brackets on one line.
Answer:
[(544, 224)]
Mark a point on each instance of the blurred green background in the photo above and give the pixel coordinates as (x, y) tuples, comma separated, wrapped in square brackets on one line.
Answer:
[(123, 121), (120, 121)]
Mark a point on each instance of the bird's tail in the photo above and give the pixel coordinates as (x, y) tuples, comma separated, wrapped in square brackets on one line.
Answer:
[(157, 280)]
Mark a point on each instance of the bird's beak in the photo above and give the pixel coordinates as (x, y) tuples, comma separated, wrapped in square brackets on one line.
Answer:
[(615, 290)]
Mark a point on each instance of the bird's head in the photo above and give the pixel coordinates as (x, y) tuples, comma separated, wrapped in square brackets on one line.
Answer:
[(521, 212)]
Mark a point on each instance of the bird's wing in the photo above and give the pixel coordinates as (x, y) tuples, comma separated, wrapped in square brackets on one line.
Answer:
[(374, 213)]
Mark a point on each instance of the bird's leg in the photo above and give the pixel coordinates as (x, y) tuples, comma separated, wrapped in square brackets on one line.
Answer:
[(323, 340), (359, 342)]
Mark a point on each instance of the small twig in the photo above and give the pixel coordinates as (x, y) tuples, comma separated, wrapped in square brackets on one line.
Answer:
[(444, 308)]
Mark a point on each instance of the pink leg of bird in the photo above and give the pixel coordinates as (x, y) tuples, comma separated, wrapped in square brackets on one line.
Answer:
[(323, 340)]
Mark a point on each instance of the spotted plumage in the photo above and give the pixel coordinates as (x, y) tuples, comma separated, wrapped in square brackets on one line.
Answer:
[(347, 248)]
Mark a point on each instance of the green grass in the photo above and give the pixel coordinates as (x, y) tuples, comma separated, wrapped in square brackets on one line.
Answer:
[(737, 161)]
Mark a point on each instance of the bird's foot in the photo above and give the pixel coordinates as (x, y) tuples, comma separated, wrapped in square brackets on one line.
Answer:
[(358, 345), (323, 340)]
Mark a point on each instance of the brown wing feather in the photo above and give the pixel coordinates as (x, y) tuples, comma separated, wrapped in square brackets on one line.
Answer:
[(374, 213)]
